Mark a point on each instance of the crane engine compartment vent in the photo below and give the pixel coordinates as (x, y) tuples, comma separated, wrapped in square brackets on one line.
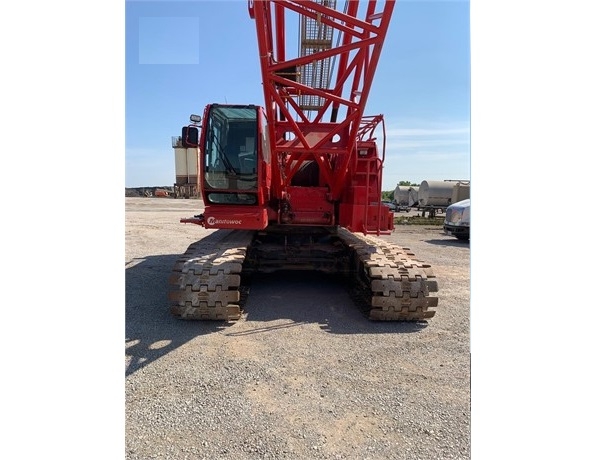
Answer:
[(315, 36)]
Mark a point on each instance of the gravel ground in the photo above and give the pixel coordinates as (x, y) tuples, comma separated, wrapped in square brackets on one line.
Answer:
[(302, 375)]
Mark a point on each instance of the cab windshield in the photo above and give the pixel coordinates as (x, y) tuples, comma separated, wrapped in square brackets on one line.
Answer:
[(230, 155)]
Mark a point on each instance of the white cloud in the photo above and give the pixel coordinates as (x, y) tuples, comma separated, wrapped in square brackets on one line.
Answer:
[(427, 131), (419, 150), (424, 136), (424, 143)]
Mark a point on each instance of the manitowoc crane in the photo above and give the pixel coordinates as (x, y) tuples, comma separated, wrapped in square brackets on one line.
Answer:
[(296, 185)]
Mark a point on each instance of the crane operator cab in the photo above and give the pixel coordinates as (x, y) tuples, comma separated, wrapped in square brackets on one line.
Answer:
[(230, 155), (233, 161), (230, 145)]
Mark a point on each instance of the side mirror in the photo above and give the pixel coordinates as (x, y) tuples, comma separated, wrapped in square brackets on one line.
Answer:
[(189, 136)]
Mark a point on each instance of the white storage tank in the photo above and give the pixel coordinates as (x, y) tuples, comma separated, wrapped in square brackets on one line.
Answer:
[(186, 165), (462, 191), (413, 196), (180, 165), (401, 195), (440, 192), (192, 165)]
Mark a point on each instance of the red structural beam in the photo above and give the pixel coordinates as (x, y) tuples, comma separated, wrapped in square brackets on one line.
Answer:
[(293, 134)]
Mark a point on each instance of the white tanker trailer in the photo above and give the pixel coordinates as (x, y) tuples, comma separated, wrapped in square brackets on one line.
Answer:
[(437, 195)]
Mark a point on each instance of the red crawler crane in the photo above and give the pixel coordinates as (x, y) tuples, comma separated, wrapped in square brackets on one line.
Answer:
[(300, 191)]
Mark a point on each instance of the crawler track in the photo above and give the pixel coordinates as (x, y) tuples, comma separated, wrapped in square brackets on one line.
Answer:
[(205, 283), (392, 285), (388, 283)]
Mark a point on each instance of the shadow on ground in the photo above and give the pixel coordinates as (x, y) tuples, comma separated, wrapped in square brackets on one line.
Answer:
[(450, 242), (150, 330), (313, 297), (275, 301)]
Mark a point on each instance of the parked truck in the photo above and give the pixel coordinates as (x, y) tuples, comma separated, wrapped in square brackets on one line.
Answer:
[(458, 220)]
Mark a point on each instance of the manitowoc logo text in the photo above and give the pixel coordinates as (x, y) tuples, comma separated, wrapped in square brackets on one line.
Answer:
[(213, 221)]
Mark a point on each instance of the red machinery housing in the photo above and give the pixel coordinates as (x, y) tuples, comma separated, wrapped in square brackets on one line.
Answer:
[(287, 165)]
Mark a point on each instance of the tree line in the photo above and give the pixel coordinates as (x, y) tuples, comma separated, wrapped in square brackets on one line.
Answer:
[(388, 195)]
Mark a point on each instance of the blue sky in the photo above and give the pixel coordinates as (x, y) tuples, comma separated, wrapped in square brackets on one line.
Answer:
[(534, 144), (183, 55)]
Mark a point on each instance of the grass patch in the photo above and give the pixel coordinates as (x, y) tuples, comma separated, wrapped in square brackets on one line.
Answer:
[(419, 220)]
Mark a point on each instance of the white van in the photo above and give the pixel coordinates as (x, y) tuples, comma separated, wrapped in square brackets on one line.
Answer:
[(458, 219)]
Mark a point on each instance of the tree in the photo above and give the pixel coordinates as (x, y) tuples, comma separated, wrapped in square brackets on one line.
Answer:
[(387, 195), (406, 183)]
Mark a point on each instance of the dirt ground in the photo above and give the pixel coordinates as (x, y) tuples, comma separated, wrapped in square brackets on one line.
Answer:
[(302, 374)]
